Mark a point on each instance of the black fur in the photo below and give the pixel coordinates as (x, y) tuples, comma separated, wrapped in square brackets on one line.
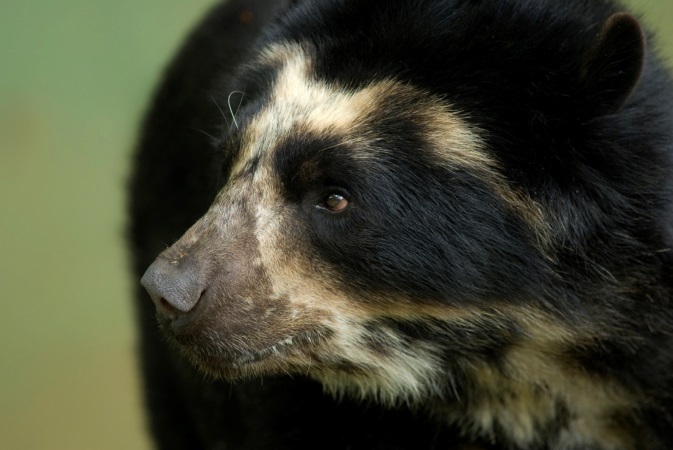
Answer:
[(576, 111)]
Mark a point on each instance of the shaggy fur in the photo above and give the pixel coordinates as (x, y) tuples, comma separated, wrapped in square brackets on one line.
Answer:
[(407, 225)]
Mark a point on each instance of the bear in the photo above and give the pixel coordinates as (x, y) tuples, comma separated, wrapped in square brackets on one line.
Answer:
[(408, 224)]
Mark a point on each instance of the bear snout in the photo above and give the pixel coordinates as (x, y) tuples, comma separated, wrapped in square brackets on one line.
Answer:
[(174, 286)]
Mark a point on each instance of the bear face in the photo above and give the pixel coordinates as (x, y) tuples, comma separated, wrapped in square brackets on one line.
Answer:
[(424, 225), (280, 268)]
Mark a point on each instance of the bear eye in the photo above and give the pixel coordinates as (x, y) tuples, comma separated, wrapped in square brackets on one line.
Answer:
[(335, 203)]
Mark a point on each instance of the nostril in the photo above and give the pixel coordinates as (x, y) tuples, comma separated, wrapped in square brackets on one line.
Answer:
[(163, 303)]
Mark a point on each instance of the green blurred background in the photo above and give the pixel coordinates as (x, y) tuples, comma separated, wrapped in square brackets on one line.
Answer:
[(75, 77)]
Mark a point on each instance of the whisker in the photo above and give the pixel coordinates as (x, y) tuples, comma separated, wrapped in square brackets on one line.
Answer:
[(207, 134), (329, 147), (233, 115), (224, 116)]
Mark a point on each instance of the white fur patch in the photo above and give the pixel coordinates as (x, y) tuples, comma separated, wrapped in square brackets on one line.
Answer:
[(403, 374)]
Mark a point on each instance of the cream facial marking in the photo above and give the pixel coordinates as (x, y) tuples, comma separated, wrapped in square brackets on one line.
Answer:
[(300, 100), (532, 388), (301, 103)]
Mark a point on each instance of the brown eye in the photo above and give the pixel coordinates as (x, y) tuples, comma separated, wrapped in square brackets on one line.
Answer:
[(335, 203)]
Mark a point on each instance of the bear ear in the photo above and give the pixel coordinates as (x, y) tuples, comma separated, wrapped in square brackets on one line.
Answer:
[(613, 65)]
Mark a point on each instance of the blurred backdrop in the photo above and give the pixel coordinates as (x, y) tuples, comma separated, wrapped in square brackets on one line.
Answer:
[(75, 77)]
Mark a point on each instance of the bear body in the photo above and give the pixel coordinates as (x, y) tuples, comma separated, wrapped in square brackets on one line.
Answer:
[(408, 225)]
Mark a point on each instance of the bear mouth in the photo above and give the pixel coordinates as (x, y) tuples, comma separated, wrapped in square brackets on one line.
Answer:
[(279, 349), (294, 353)]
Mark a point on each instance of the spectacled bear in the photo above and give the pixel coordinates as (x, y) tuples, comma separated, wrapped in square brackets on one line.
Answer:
[(408, 224)]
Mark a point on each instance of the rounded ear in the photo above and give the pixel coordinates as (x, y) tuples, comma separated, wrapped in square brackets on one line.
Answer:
[(612, 67)]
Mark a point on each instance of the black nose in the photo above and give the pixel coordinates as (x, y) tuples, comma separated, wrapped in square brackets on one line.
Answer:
[(175, 286)]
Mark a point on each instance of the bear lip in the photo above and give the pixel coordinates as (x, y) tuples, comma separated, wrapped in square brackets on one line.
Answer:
[(232, 364), (301, 341), (260, 355)]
